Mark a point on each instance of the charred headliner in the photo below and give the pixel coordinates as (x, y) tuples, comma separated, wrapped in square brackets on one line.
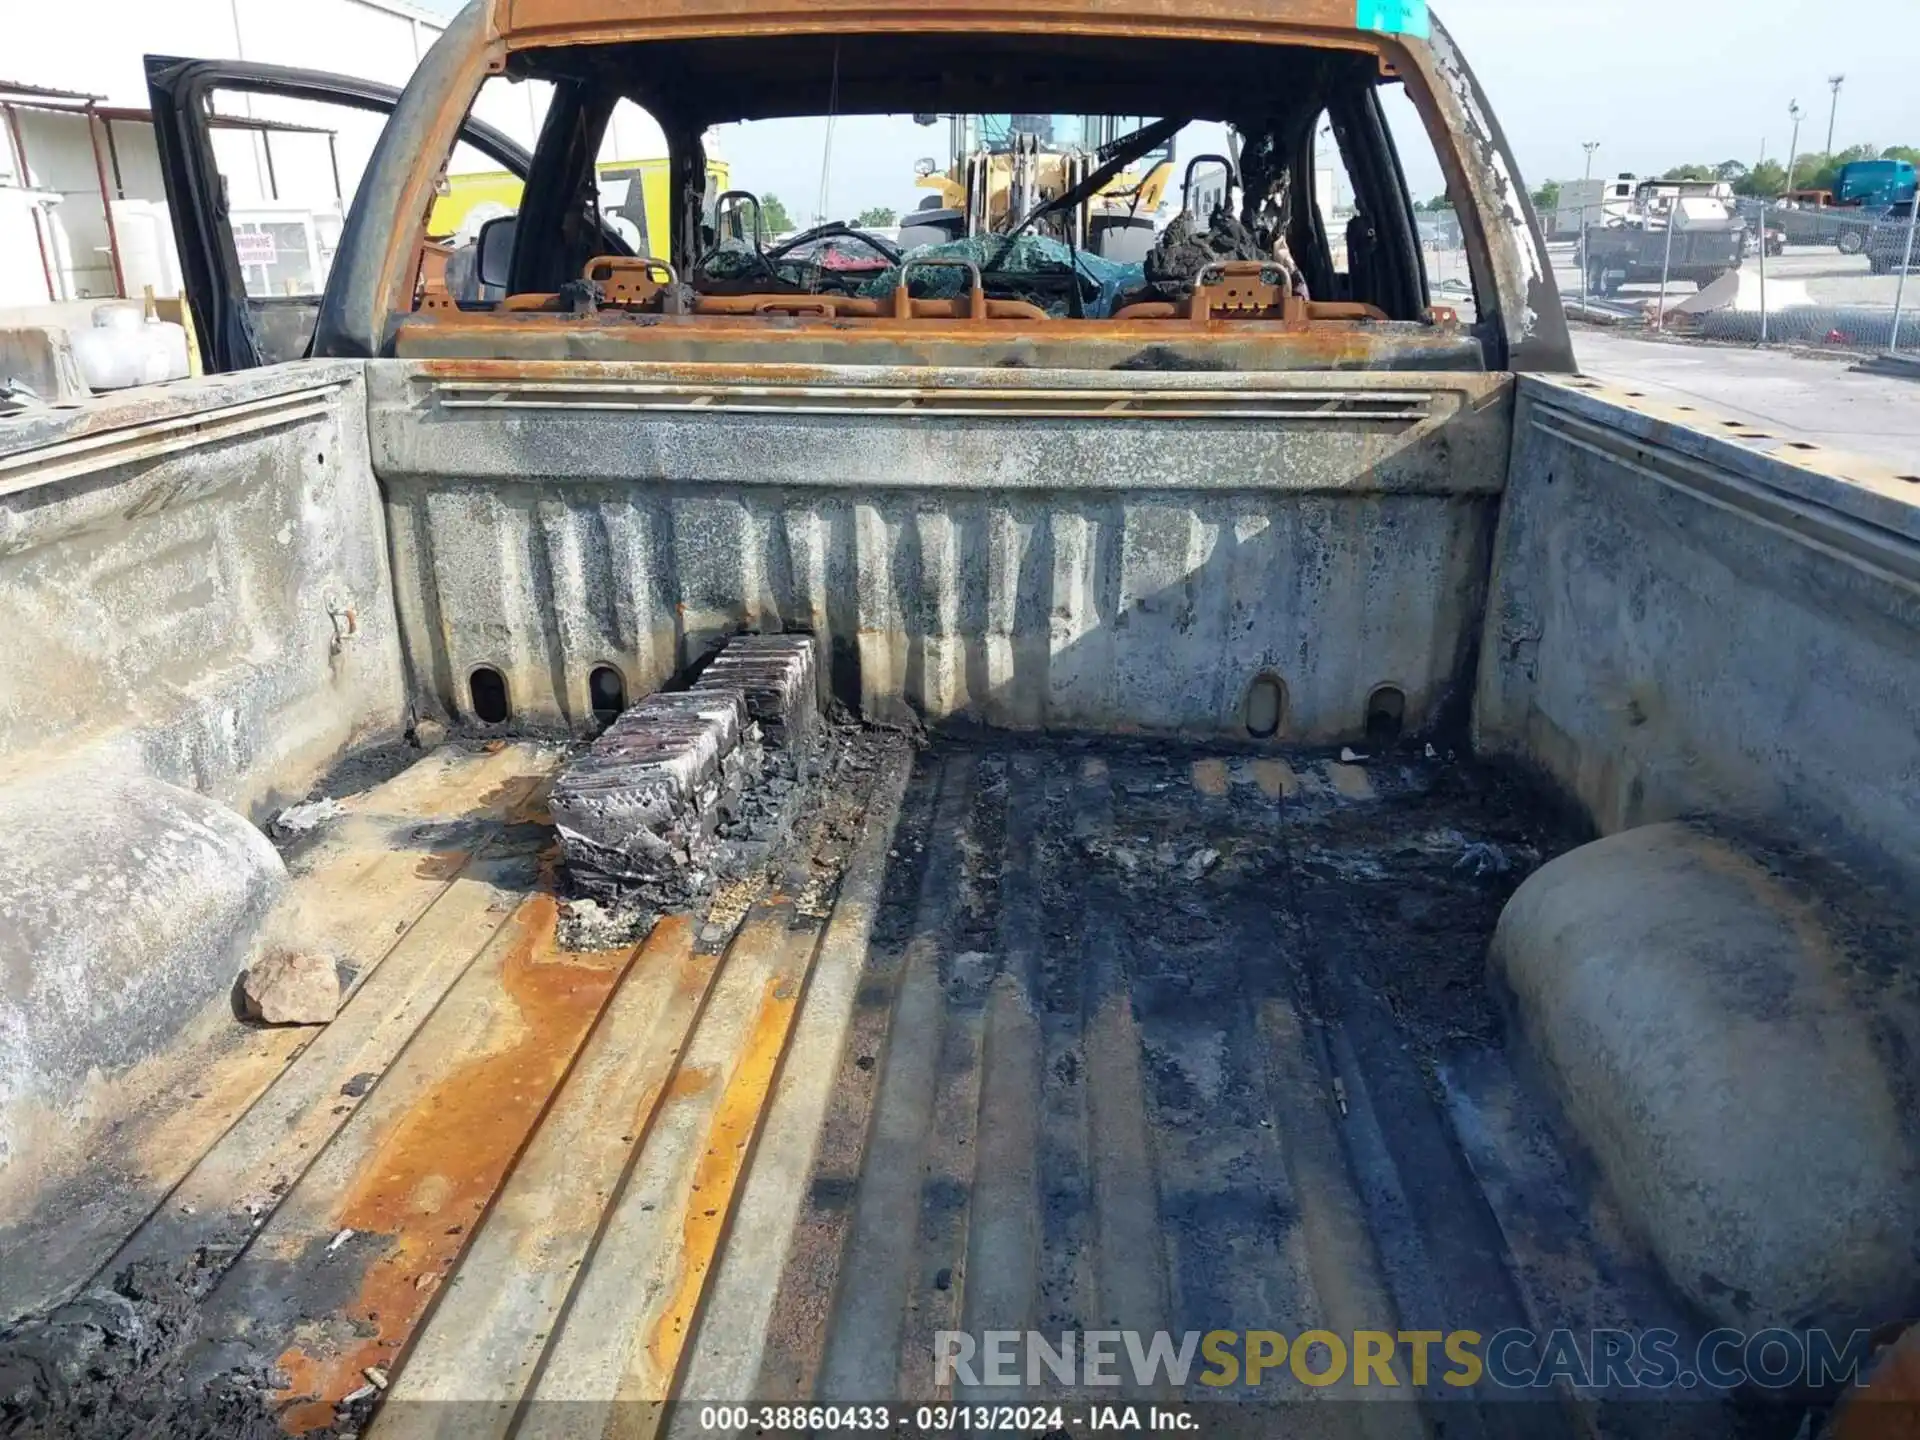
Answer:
[(712, 81)]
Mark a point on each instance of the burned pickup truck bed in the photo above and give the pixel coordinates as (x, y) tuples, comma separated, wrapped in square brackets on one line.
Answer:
[(1029, 1033), (1335, 832), (1187, 1025)]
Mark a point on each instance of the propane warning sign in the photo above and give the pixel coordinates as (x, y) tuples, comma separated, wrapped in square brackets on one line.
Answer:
[(1393, 17), (255, 247)]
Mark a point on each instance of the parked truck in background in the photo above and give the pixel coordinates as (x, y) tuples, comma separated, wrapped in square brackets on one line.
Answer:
[(1875, 184), (1845, 221), (1677, 230), (1298, 819), (1890, 244)]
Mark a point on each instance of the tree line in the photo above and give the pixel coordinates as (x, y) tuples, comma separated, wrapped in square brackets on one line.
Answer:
[(775, 219), (1812, 170), (1768, 180)]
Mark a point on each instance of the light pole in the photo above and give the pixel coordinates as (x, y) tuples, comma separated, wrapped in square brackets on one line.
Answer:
[(1793, 146), (1906, 261), (1589, 146), (1834, 82)]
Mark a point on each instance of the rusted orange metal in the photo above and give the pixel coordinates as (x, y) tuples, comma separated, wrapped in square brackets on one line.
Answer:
[(1245, 290), (519, 341), (1225, 302), (637, 295), (721, 1166), (524, 23), (1149, 310), (1888, 1406), (1316, 311), (432, 1177), (433, 292), (630, 280)]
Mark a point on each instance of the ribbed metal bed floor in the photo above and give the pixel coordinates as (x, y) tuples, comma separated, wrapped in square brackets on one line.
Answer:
[(1032, 1034)]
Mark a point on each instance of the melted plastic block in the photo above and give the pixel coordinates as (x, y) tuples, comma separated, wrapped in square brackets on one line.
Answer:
[(776, 676), (688, 785), (642, 805)]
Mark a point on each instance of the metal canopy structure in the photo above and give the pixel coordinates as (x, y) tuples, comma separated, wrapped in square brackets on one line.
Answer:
[(15, 97), (11, 93)]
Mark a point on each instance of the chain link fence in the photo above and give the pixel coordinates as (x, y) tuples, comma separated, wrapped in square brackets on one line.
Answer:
[(1694, 265), (1697, 261)]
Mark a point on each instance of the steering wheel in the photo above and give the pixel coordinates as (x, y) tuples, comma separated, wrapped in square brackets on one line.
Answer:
[(833, 228)]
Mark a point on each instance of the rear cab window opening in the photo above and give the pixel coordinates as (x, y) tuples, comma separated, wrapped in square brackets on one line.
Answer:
[(1082, 201)]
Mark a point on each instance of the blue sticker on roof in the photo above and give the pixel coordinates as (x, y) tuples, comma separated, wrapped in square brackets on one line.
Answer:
[(1393, 17)]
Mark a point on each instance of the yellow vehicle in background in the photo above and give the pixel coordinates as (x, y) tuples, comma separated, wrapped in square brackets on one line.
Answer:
[(633, 197), (1004, 167)]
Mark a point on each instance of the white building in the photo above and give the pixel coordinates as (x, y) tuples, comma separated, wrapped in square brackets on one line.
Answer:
[(291, 167)]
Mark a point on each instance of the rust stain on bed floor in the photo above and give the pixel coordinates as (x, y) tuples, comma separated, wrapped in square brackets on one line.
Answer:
[(521, 800), (1210, 777), (433, 1175), (717, 1176), (1275, 778), (442, 864)]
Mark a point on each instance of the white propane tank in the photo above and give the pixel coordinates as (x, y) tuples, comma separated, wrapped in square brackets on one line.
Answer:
[(124, 348)]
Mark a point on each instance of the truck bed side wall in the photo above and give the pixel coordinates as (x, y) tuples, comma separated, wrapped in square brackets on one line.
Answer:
[(197, 618), (168, 562), (1682, 623)]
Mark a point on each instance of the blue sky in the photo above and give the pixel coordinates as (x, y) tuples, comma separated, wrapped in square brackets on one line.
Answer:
[(1657, 82)]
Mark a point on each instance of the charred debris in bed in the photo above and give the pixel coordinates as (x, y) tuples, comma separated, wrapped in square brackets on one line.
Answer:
[(1381, 872), (1389, 865), (795, 838), (97, 1366), (132, 1355), (682, 787), (690, 790)]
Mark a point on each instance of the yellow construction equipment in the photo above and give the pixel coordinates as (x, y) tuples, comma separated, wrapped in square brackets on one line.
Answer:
[(1004, 167)]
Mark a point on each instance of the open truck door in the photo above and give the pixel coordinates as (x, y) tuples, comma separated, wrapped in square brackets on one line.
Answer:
[(254, 274)]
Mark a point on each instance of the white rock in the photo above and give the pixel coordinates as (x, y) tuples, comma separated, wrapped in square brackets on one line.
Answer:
[(291, 987), (1200, 862), (298, 819)]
